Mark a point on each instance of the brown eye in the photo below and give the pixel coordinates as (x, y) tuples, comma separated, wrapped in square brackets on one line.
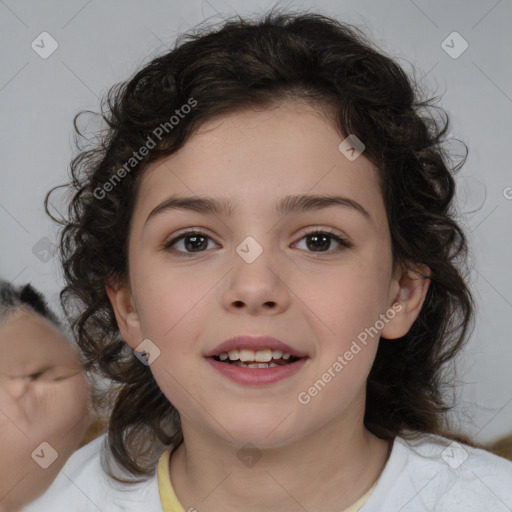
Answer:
[(321, 241), (189, 243)]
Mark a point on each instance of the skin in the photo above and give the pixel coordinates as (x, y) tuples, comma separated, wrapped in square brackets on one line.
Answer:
[(44, 397), (317, 456)]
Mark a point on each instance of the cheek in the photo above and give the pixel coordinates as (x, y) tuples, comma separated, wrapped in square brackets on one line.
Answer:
[(15, 445), (167, 301), (171, 305), (60, 408), (179, 368), (344, 303), (79, 394), (337, 381), (181, 381)]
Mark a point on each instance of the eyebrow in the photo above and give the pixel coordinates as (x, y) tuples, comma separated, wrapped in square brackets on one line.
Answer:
[(285, 206)]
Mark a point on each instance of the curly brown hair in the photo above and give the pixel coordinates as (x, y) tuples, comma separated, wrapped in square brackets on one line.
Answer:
[(252, 64)]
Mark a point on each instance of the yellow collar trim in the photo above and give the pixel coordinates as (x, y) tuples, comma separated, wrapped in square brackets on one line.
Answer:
[(169, 500)]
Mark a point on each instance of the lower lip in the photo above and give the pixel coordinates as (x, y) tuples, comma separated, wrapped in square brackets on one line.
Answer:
[(257, 376)]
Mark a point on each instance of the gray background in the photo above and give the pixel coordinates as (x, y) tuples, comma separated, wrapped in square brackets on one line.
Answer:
[(100, 43)]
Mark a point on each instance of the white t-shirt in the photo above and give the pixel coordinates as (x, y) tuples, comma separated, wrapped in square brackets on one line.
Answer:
[(430, 474)]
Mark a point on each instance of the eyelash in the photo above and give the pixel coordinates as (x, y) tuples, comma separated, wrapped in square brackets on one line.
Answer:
[(33, 376), (345, 244)]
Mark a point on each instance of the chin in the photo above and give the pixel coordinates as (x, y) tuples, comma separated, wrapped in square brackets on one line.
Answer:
[(264, 433)]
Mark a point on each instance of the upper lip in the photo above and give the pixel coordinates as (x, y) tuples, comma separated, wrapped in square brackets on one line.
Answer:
[(243, 341)]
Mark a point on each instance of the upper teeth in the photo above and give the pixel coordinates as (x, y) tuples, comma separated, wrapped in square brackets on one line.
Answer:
[(261, 356)]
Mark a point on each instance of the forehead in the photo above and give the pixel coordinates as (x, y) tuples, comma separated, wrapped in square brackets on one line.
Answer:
[(27, 338), (253, 159)]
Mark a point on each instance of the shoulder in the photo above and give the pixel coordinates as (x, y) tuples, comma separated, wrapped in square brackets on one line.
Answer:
[(450, 454), (436, 473), (83, 483)]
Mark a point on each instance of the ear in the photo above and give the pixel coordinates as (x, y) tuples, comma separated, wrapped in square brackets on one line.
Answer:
[(126, 314), (409, 289)]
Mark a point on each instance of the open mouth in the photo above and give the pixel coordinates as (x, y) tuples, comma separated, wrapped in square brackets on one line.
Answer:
[(257, 367), (266, 358)]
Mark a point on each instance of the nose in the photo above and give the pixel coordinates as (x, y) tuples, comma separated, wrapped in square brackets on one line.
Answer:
[(14, 386), (257, 287)]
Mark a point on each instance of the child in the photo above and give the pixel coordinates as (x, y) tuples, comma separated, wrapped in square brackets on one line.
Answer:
[(44, 396), (265, 264)]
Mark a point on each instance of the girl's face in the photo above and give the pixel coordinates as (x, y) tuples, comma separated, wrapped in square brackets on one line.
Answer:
[(256, 270)]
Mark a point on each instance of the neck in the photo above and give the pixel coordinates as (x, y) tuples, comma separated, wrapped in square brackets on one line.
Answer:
[(328, 470)]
